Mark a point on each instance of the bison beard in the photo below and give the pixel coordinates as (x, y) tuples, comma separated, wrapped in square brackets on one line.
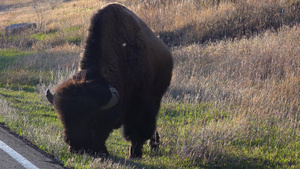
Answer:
[(123, 75)]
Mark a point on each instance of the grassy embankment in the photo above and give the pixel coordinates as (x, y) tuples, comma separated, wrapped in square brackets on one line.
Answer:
[(234, 101)]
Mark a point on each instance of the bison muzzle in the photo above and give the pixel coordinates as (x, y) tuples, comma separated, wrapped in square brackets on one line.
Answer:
[(124, 73)]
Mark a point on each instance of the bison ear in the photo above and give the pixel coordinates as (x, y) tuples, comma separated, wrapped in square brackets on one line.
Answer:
[(49, 96)]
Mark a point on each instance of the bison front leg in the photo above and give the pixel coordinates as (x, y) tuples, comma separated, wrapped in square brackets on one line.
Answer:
[(136, 150), (140, 123)]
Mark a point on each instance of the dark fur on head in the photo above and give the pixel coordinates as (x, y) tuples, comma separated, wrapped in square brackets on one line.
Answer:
[(77, 102)]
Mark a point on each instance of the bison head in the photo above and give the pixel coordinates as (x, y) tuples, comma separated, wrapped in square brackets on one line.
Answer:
[(85, 108)]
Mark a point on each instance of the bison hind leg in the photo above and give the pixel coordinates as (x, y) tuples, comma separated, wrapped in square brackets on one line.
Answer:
[(154, 142)]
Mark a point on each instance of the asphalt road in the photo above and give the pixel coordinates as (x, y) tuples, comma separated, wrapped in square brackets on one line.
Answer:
[(19, 154)]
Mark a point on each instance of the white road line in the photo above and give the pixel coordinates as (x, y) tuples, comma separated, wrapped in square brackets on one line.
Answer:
[(18, 157)]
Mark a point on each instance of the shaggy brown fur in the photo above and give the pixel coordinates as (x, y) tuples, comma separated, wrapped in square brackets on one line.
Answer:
[(121, 51)]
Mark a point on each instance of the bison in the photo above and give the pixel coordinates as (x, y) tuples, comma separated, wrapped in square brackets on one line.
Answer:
[(124, 72)]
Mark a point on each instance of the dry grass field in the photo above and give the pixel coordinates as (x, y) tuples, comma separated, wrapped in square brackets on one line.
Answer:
[(234, 101)]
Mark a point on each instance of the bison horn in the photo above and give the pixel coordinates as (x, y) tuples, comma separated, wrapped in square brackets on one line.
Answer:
[(113, 100), (49, 96)]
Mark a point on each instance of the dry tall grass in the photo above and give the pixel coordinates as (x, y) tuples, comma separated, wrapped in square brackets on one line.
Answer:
[(176, 22), (256, 80), (186, 22)]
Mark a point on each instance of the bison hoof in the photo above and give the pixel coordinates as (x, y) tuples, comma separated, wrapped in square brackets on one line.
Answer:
[(154, 146), (98, 154)]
